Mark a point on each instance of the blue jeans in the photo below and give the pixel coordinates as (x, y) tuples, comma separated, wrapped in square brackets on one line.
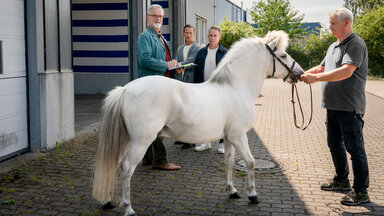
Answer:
[(345, 134)]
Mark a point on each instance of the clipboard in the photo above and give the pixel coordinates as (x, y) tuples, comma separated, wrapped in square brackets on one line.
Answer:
[(186, 66)]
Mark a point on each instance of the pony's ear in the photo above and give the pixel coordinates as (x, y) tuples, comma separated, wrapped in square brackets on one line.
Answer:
[(274, 42)]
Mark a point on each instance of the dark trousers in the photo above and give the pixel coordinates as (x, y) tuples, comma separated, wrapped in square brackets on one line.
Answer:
[(156, 153), (345, 134)]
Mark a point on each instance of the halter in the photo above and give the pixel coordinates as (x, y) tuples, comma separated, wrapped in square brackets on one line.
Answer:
[(290, 71), (294, 87)]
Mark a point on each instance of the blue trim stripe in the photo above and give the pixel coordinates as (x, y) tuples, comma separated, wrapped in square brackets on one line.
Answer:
[(165, 21), (101, 69), (100, 38), (99, 23), (100, 6), (101, 54), (167, 37), (163, 4)]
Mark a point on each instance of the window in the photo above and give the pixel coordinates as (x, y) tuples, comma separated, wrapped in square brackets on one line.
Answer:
[(201, 30), (1, 57)]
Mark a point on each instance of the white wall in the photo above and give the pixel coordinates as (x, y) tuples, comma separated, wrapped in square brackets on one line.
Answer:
[(57, 108), (13, 91), (56, 82), (55, 77), (203, 8)]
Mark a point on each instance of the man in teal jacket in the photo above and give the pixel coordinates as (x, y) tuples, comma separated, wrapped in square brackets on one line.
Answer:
[(153, 55), (154, 58)]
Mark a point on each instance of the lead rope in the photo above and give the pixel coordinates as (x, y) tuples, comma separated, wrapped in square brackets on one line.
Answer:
[(294, 87)]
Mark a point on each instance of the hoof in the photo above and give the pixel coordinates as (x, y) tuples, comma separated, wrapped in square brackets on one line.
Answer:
[(132, 214), (253, 200), (234, 196), (108, 205)]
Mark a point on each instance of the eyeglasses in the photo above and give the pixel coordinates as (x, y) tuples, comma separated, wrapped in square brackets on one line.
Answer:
[(156, 16)]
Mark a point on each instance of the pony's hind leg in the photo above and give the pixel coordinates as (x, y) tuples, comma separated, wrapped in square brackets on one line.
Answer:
[(243, 149), (131, 160), (229, 160)]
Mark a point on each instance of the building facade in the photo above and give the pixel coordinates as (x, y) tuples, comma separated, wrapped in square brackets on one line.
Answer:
[(51, 50), (36, 79), (105, 34), (226, 9)]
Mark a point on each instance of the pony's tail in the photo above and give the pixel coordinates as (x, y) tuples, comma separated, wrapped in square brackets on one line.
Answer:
[(113, 145)]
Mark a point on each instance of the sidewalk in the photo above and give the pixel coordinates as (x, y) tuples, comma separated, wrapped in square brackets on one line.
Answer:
[(375, 87), (59, 183)]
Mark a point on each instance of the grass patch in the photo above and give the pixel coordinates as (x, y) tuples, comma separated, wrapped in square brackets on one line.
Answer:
[(94, 212), (8, 178), (8, 190), (218, 206), (34, 178), (375, 77), (9, 200)]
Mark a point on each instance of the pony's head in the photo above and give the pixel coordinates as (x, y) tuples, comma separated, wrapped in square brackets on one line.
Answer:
[(283, 65)]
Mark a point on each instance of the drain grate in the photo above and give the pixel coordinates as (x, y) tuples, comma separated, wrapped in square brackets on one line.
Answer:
[(262, 166)]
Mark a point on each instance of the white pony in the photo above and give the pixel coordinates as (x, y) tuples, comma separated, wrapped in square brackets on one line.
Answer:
[(222, 107)]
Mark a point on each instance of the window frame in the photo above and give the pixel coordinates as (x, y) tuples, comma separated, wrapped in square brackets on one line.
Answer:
[(1, 57)]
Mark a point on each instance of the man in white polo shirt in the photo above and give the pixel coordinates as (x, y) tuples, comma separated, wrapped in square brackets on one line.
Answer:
[(207, 60)]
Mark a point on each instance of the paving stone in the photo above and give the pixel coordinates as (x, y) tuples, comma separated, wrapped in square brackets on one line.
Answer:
[(61, 185)]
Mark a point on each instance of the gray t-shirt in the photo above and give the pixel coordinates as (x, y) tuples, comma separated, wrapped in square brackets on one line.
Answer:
[(347, 94)]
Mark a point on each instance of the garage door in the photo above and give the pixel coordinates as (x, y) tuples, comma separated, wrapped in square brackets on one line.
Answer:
[(13, 90)]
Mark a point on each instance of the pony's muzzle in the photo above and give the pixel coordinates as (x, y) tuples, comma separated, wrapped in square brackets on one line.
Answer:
[(296, 73)]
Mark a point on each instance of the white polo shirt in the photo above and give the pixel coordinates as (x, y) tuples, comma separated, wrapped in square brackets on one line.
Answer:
[(210, 63)]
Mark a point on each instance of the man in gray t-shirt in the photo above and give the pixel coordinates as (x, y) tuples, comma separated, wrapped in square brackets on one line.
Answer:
[(344, 74)]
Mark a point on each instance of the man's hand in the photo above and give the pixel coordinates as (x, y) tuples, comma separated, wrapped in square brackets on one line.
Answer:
[(172, 63), (180, 70), (308, 78)]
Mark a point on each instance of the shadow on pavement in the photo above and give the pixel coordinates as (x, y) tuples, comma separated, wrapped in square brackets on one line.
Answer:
[(59, 183)]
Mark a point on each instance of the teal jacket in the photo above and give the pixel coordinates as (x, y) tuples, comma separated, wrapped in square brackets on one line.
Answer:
[(151, 54)]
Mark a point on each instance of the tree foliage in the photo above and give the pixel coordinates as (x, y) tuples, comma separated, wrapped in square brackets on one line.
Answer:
[(370, 27), (314, 50), (359, 7), (277, 15), (232, 32)]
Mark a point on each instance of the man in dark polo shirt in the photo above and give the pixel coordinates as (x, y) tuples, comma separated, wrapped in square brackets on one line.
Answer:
[(344, 73)]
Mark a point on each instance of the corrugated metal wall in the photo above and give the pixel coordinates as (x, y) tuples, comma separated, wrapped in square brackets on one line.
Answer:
[(100, 44), (13, 91), (166, 28), (100, 36)]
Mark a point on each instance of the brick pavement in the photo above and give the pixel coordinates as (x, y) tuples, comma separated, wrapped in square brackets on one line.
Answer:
[(58, 183)]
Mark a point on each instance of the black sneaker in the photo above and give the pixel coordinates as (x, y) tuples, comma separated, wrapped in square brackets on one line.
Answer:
[(187, 146), (333, 185), (355, 199)]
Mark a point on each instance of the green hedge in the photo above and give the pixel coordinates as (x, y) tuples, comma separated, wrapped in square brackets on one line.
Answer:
[(311, 51), (314, 50), (232, 32), (316, 47), (370, 27)]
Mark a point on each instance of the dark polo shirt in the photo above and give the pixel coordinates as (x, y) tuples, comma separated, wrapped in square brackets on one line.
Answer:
[(347, 94)]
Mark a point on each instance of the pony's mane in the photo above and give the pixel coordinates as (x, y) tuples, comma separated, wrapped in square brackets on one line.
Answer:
[(243, 46), (283, 40)]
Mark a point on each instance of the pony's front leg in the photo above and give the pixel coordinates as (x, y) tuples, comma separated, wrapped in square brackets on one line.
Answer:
[(243, 149), (228, 161), (130, 161)]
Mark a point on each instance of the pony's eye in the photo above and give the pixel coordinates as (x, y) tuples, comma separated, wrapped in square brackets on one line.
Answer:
[(284, 56)]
